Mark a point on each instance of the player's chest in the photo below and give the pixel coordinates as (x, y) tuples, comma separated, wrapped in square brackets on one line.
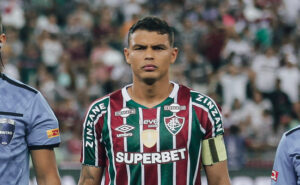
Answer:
[(135, 129)]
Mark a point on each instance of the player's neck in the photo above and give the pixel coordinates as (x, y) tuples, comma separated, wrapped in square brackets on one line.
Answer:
[(150, 95)]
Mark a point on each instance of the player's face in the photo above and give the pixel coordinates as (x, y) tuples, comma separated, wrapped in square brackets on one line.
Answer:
[(150, 55)]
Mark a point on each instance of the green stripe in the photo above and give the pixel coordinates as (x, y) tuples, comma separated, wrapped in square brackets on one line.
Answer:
[(107, 140), (195, 144), (166, 143), (133, 144)]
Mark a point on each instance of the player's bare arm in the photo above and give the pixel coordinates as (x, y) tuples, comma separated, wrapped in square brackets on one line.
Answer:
[(217, 174), (90, 175), (45, 167)]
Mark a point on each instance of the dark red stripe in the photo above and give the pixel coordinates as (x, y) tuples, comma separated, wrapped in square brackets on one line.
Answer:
[(101, 148), (150, 169), (204, 121), (116, 104), (183, 99)]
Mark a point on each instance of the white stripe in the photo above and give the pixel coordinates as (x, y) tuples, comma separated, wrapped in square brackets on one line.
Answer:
[(175, 90), (125, 93), (209, 117), (189, 141), (125, 144), (111, 139), (158, 146), (96, 143), (197, 167), (141, 144), (174, 145)]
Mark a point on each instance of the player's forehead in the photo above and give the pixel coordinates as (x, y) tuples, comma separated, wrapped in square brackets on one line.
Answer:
[(144, 37)]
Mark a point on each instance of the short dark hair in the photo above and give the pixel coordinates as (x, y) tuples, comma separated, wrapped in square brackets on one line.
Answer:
[(154, 24)]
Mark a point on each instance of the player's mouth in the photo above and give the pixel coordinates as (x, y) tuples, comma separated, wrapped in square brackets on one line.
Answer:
[(149, 67)]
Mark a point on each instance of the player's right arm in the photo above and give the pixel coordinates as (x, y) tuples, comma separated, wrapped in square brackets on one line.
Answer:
[(283, 170), (90, 175), (93, 155)]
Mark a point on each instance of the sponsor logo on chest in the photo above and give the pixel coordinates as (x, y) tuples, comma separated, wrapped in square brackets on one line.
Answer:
[(125, 112), (151, 158)]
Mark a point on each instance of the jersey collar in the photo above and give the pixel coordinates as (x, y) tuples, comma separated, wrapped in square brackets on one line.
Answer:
[(128, 98)]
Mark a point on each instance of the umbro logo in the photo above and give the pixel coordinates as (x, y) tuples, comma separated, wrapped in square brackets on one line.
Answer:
[(124, 129)]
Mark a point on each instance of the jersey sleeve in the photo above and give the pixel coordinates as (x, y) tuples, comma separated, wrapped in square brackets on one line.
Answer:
[(283, 170), (93, 150), (214, 121), (42, 129)]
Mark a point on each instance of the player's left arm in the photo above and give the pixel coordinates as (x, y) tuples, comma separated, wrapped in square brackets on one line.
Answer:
[(217, 174), (214, 159), (45, 167)]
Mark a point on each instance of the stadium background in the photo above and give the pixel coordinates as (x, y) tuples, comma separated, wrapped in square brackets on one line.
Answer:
[(243, 53)]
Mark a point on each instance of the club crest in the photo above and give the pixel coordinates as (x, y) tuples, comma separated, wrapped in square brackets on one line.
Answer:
[(7, 129), (174, 124)]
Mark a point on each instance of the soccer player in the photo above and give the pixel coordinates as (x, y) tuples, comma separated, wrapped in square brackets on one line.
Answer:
[(153, 132), (27, 126), (286, 169)]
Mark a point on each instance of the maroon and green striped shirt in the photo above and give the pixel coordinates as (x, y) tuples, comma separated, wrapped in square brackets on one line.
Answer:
[(148, 146)]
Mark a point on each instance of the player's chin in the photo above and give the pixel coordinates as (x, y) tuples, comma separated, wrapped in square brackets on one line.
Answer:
[(149, 80)]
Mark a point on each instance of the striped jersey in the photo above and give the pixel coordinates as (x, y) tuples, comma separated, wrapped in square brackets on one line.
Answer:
[(149, 146), (26, 123)]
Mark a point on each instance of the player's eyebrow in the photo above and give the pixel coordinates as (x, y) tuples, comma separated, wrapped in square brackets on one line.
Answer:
[(161, 46), (139, 46)]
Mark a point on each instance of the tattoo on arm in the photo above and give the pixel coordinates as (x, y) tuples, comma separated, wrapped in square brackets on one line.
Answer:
[(90, 175)]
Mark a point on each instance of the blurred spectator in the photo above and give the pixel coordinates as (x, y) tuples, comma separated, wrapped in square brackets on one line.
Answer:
[(289, 76), (197, 69), (265, 66), (29, 63), (235, 146), (234, 82), (51, 52), (281, 103), (12, 13), (257, 114)]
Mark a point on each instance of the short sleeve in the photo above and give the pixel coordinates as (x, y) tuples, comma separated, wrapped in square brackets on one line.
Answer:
[(283, 170), (214, 125), (93, 150), (42, 129)]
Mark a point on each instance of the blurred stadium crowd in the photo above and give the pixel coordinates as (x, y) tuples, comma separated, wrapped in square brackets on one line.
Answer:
[(243, 53)]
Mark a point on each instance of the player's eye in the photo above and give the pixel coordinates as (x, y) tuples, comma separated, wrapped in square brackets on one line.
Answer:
[(139, 48), (158, 48)]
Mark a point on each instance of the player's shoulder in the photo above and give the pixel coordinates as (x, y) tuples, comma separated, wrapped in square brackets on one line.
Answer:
[(15, 86), (103, 102), (293, 132), (203, 100)]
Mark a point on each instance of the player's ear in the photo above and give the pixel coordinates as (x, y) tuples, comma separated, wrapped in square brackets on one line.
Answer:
[(2, 39), (126, 54), (174, 55)]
